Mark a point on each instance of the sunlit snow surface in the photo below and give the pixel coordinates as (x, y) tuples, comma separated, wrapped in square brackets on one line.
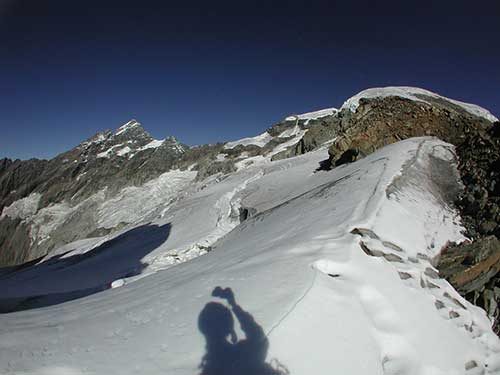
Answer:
[(313, 115), (259, 140), (297, 266), (412, 94)]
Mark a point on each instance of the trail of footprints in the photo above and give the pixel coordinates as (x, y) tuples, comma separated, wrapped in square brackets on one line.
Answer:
[(418, 272)]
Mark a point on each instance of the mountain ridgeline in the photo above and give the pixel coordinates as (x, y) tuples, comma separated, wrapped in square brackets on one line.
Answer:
[(80, 179), (46, 204)]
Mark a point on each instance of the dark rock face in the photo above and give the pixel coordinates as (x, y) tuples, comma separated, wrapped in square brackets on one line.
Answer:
[(480, 169), (15, 240), (319, 132), (19, 178), (474, 269)]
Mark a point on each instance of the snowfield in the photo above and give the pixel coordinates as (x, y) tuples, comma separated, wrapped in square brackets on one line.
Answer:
[(330, 273)]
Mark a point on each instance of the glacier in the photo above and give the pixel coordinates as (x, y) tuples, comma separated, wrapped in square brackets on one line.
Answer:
[(331, 272)]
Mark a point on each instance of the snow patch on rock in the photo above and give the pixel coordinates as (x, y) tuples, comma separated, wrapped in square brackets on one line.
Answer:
[(260, 140), (313, 115), (153, 144), (127, 126), (124, 151), (109, 151)]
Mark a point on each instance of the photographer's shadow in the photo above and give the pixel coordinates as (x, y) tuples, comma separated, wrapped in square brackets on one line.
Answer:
[(225, 353)]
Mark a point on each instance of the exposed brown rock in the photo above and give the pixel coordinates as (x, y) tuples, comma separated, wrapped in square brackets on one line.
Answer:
[(474, 269)]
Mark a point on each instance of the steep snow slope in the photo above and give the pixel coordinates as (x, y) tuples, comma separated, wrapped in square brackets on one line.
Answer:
[(413, 93), (335, 267)]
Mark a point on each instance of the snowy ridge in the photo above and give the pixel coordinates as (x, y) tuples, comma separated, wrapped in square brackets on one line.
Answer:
[(259, 140), (335, 264), (410, 93), (127, 126), (313, 115)]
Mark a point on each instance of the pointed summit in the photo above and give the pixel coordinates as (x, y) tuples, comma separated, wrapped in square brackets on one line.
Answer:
[(127, 126), (132, 132)]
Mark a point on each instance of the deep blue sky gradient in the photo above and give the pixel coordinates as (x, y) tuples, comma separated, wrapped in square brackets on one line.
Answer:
[(217, 71)]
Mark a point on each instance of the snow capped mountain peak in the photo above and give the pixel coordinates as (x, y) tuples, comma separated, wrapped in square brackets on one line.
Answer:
[(416, 94), (127, 126)]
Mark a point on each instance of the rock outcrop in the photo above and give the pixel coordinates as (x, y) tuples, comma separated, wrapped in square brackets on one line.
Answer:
[(381, 121), (474, 269)]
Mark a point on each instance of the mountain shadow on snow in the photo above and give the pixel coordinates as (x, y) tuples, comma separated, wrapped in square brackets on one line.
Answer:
[(83, 274), (225, 353)]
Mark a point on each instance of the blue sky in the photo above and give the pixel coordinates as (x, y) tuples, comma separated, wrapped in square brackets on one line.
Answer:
[(217, 71)]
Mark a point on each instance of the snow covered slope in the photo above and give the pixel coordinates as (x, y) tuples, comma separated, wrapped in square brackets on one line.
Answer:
[(259, 140), (313, 115), (332, 273), (413, 93)]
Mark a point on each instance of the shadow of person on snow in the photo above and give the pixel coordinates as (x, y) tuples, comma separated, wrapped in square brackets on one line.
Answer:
[(225, 354)]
